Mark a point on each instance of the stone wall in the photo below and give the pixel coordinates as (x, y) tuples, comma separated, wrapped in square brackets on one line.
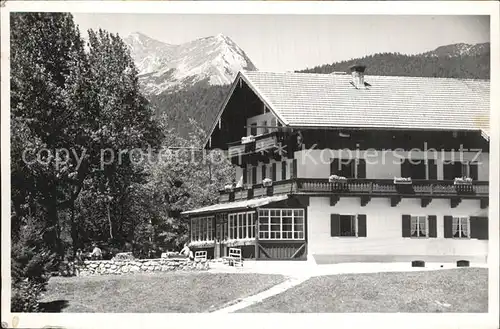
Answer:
[(103, 267)]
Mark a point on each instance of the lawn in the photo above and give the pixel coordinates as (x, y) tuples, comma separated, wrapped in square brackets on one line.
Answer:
[(152, 292), (454, 290)]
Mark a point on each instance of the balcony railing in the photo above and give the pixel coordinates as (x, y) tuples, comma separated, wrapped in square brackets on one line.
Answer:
[(361, 187), (386, 187), (260, 143)]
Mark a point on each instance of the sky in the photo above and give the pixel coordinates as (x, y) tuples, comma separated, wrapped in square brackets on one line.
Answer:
[(293, 42)]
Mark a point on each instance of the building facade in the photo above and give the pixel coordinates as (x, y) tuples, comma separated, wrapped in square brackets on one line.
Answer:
[(351, 168)]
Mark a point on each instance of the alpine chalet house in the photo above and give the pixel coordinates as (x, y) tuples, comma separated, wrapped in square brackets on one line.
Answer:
[(351, 168)]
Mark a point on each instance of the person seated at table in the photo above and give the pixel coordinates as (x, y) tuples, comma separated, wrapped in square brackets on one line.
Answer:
[(79, 257), (187, 252), (96, 253)]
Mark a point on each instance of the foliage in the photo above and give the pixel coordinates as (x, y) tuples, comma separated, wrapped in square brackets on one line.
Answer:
[(183, 178), (25, 296), (31, 262), (200, 103), (46, 69), (86, 102), (86, 98), (473, 66)]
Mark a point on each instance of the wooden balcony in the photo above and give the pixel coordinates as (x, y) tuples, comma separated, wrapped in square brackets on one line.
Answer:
[(268, 144), (366, 189)]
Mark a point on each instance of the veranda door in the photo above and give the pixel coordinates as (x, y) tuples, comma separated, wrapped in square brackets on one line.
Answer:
[(220, 236)]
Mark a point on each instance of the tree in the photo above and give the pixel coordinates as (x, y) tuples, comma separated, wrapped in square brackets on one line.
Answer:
[(46, 67), (79, 106), (186, 177)]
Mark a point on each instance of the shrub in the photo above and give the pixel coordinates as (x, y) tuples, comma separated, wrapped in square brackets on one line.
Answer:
[(25, 295), (31, 263), (67, 268), (124, 256)]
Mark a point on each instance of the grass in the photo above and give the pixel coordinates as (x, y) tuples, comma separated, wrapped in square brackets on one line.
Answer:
[(152, 292), (454, 290)]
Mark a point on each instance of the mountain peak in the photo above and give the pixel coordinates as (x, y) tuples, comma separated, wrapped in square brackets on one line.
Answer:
[(138, 34), (459, 49), (165, 67), (223, 37), (137, 37)]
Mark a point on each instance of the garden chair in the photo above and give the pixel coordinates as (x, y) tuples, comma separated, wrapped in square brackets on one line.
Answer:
[(200, 255), (234, 258)]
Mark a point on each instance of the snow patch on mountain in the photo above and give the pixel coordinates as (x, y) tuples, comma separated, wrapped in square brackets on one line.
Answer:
[(459, 49), (166, 67)]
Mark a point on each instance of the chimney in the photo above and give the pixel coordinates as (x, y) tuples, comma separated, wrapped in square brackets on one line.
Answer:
[(358, 75)]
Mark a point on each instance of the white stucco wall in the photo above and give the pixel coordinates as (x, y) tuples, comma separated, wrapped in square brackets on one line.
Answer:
[(239, 171), (384, 228), (259, 120), (381, 164)]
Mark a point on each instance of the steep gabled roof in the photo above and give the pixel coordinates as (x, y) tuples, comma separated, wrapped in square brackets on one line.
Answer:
[(328, 100)]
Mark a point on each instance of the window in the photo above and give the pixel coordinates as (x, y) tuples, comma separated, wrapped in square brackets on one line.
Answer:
[(461, 227), (253, 129), (242, 225), (348, 225), (221, 228), (265, 130), (419, 227), (273, 124), (249, 175), (283, 170), (419, 168), (293, 169), (281, 224), (343, 167), (452, 170), (264, 172), (472, 227), (353, 168), (202, 229)]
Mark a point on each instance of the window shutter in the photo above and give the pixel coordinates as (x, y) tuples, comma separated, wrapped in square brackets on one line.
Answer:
[(448, 222), (254, 175), (473, 171), (405, 168), (294, 175), (244, 173), (273, 172), (406, 225), (432, 226), (334, 167), (431, 163), (283, 170), (361, 225), (479, 228), (263, 171), (361, 168), (334, 225)]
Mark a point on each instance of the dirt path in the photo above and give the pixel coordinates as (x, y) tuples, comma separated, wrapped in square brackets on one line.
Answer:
[(257, 298)]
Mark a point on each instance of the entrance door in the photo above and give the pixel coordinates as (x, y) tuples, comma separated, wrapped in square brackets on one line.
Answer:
[(220, 238)]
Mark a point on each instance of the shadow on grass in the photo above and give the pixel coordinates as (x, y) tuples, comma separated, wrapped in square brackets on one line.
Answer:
[(55, 306)]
